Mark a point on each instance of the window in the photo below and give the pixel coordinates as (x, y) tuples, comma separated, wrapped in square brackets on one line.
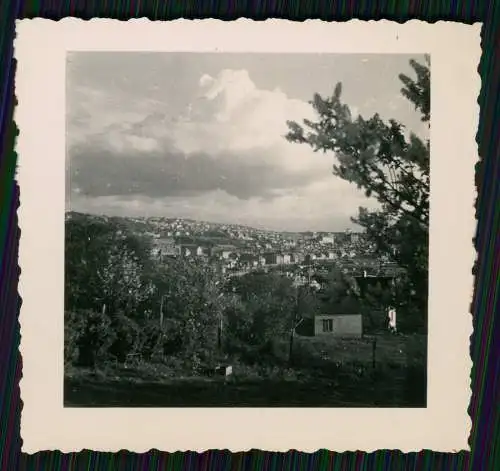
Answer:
[(327, 325)]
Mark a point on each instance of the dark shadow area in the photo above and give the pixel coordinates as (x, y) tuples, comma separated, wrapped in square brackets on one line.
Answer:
[(323, 387)]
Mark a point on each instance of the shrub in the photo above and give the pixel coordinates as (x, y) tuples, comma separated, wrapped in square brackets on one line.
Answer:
[(88, 337)]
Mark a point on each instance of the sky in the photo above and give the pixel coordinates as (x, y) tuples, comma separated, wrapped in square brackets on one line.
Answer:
[(201, 135)]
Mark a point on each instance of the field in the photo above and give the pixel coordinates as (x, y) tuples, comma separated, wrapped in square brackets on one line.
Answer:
[(323, 374), (394, 350)]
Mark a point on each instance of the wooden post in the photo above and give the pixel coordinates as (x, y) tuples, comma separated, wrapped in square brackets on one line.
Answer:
[(161, 311), (294, 322), (290, 351), (219, 333), (374, 350)]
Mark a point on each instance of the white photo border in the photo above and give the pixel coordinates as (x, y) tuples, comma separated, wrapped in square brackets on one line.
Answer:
[(40, 49)]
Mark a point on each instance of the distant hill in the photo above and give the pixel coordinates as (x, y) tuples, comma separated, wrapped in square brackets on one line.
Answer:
[(153, 223)]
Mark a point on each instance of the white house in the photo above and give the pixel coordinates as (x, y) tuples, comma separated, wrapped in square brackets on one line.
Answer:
[(339, 325)]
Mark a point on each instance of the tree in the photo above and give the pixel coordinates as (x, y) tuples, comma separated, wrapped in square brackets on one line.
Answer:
[(308, 304), (87, 337), (338, 294), (104, 265), (381, 160), (376, 294), (190, 295), (106, 289), (264, 312)]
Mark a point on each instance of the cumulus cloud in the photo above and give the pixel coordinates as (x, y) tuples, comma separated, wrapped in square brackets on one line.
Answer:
[(224, 156), (231, 132)]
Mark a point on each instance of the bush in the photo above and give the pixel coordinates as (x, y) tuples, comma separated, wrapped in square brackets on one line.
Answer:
[(126, 334), (88, 337)]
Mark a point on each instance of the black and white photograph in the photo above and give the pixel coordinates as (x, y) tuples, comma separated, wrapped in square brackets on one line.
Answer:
[(246, 235), (246, 229)]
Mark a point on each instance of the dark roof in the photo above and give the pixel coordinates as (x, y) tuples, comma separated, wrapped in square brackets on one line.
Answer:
[(224, 247), (333, 314), (347, 306), (248, 256), (365, 282)]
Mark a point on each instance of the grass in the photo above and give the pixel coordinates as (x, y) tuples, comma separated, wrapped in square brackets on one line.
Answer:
[(345, 379), (402, 350)]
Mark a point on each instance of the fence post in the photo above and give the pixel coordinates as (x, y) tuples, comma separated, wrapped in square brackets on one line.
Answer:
[(290, 346), (374, 352)]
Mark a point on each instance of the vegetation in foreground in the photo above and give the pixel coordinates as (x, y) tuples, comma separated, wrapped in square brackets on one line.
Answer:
[(322, 374)]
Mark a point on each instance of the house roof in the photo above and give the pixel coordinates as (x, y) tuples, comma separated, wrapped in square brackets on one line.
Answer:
[(338, 314), (347, 306), (224, 247), (190, 246), (366, 282)]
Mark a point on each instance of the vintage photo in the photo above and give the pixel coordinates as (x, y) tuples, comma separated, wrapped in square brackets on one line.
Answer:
[(243, 235), (246, 229)]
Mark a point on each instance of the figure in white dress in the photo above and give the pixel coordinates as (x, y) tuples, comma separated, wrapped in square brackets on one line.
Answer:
[(391, 314)]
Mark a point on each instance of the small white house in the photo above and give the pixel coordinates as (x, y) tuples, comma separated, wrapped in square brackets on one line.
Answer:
[(339, 325)]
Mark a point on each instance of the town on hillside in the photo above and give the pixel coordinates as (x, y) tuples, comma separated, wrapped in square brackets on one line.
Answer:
[(236, 249)]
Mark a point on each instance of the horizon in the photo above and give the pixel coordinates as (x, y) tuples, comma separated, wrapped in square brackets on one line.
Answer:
[(147, 217)]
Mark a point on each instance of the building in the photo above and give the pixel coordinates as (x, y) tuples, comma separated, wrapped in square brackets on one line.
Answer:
[(192, 250), (248, 260), (297, 257), (328, 240), (273, 258), (340, 319), (309, 258), (165, 247), (339, 325), (224, 251), (225, 254), (187, 250)]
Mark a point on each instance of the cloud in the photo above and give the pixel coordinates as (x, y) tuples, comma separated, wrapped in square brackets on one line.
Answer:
[(171, 173), (231, 135), (314, 207), (224, 156), (231, 113)]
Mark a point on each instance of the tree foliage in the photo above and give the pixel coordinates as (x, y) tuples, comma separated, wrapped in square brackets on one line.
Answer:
[(338, 294), (106, 290), (388, 164), (264, 309), (88, 337), (105, 265), (193, 306)]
